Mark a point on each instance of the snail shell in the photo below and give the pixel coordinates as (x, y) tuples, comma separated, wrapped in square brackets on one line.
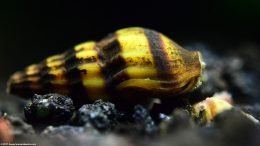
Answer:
[(133, 62)]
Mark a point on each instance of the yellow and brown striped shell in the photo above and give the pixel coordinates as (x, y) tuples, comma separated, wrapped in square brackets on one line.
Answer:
[(133, 62)]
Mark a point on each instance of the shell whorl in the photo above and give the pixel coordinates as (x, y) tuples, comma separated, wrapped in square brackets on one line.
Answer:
[(130, 62)]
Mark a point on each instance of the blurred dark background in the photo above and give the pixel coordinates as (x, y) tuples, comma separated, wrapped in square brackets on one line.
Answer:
[(32, 30)]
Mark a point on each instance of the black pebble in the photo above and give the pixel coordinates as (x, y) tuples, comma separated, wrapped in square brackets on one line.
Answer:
[(49, 109), (144, 121), (102, 115)]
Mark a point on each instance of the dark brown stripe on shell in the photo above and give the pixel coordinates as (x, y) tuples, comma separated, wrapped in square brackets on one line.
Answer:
[(26, 91), (25, 88), (76, 88), (72, 61), (158, 53), (111, 48), (46, 78)]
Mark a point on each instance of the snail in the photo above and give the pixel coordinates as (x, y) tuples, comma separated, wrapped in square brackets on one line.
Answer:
[(135, 62), (205, 111)]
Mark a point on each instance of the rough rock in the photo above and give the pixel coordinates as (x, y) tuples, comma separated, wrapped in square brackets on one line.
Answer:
[(46, 109)]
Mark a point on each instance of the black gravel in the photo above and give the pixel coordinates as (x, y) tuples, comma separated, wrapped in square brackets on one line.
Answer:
[(98, 124), (54, 109), (144, 121), (101, 115)]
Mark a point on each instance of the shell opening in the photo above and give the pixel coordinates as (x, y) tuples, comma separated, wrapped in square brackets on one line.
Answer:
[(203, 65)]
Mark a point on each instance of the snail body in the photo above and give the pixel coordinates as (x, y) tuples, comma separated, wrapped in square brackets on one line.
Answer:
[(133, 62)]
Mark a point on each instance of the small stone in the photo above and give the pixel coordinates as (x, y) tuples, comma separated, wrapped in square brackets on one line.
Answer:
[(6, 131), (46, 109), (102, 115), (144, 121)]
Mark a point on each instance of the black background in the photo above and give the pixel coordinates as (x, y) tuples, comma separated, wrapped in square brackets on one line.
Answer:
[(32, 30)]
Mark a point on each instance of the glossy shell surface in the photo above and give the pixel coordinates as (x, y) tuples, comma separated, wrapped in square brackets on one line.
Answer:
[(133, 62)]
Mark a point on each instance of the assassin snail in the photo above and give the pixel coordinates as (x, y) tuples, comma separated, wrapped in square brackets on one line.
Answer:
[(134, 62)]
